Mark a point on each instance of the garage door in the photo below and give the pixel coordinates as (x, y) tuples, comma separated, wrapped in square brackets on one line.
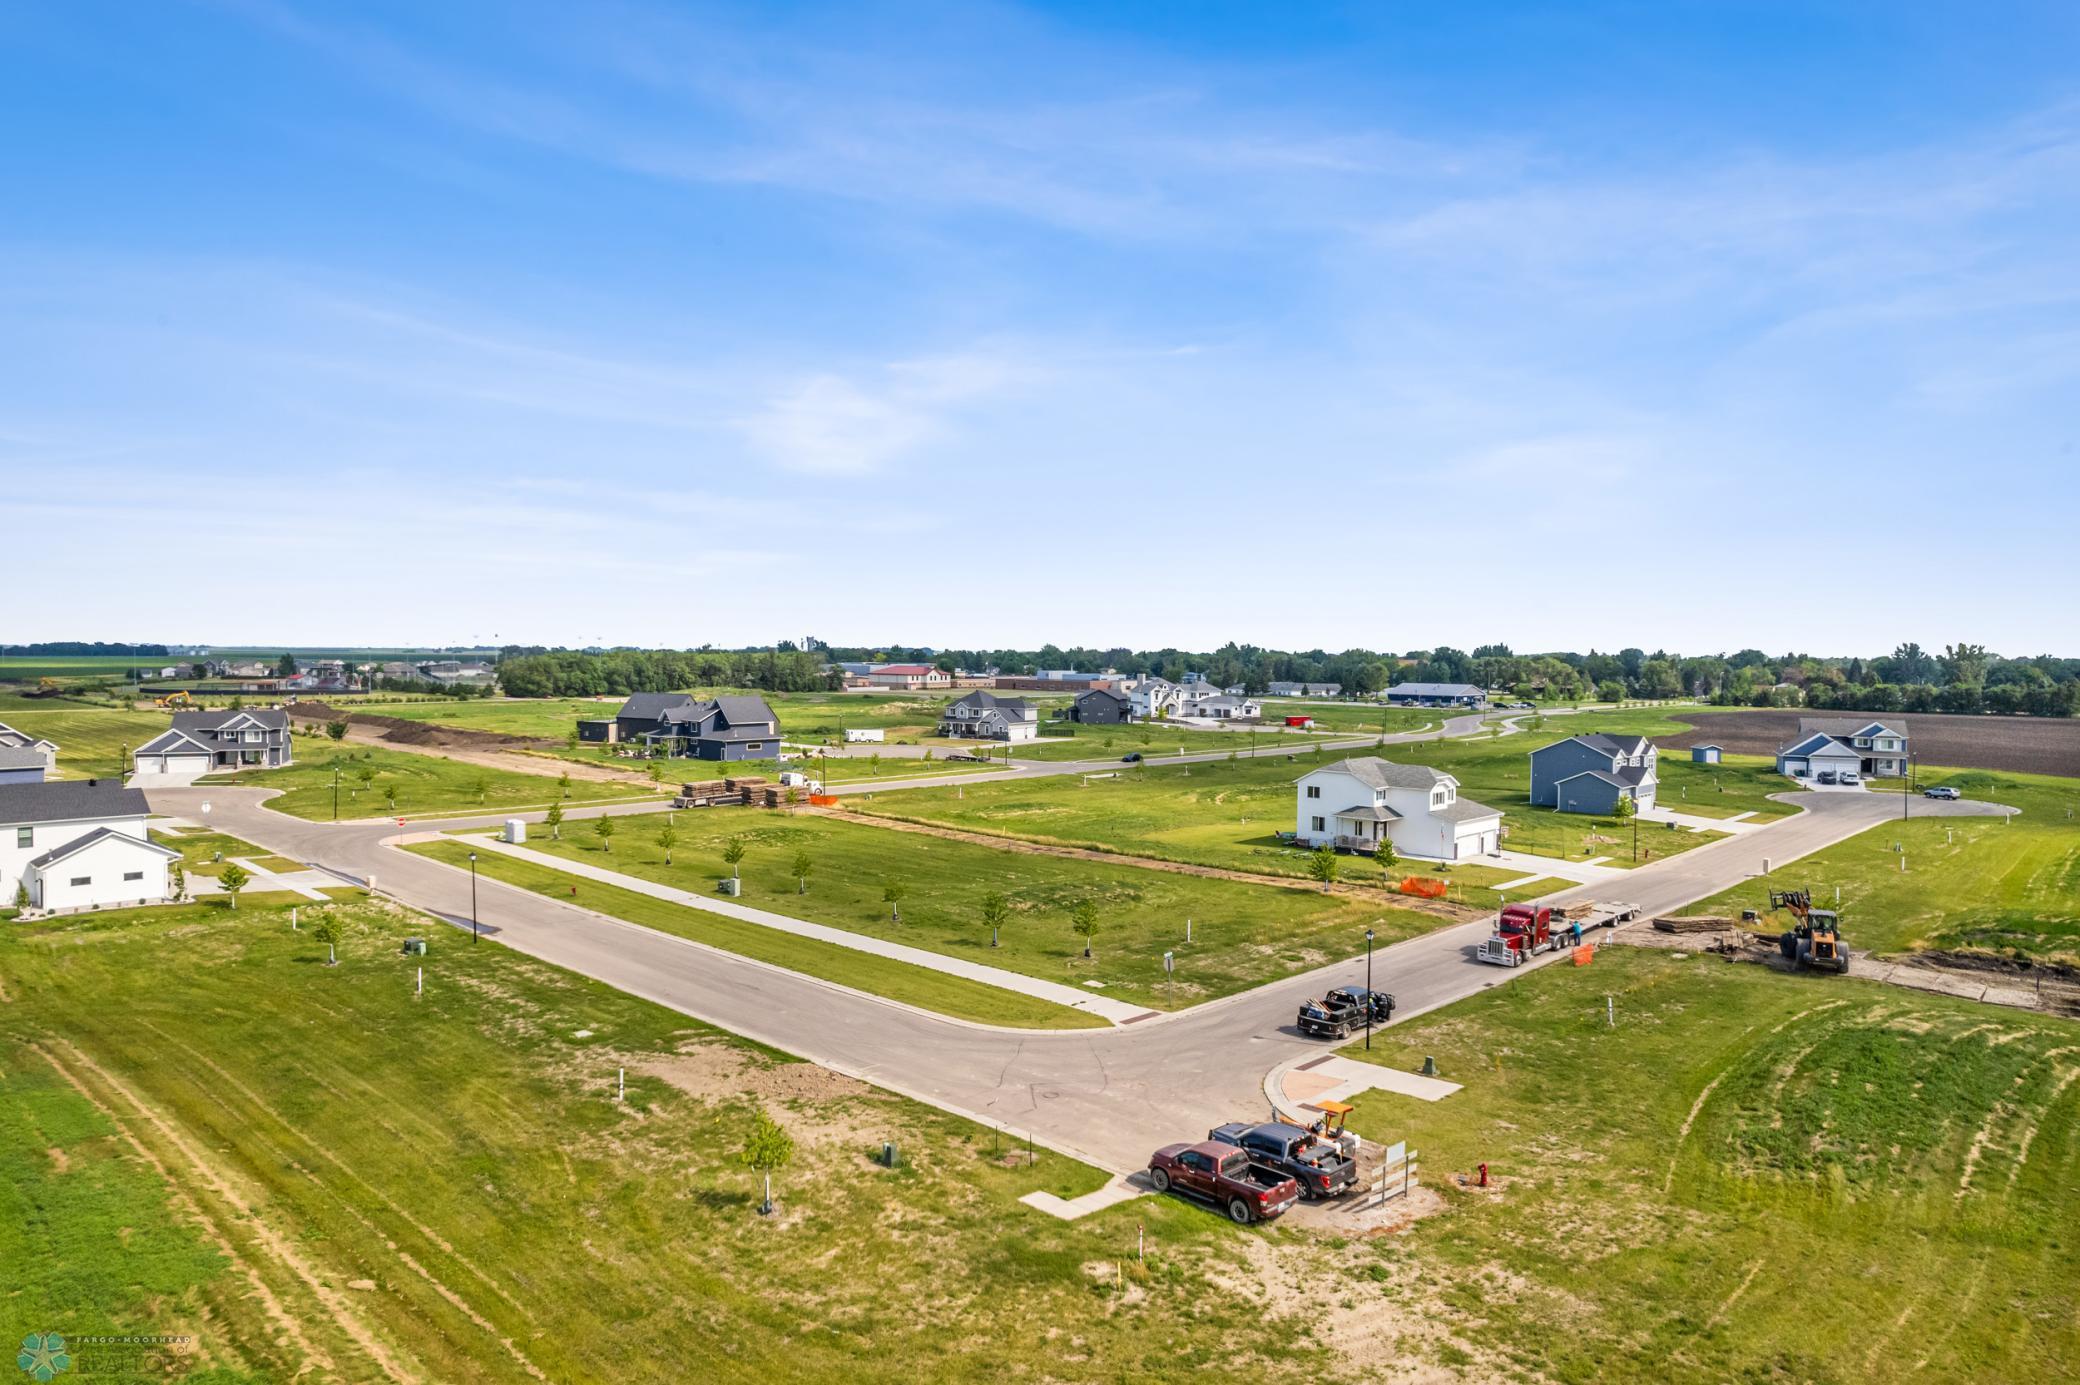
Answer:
[(1795, 765)]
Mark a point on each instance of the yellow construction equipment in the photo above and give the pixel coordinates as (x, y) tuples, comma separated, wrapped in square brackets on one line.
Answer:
[(174, 700), (1815, 938)]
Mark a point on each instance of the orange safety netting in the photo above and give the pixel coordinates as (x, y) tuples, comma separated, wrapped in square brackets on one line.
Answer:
[(1427, 886)]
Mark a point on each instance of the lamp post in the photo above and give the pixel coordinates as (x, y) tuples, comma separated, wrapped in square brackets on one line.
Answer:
[(1907, 795), (1368, 990), (476, 934), (335, 793)]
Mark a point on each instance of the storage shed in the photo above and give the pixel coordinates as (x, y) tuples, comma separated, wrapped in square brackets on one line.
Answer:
[(1704, 754)]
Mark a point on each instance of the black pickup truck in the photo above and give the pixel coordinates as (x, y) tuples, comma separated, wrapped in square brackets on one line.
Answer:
[(1341, 1012), (1320, 1168)]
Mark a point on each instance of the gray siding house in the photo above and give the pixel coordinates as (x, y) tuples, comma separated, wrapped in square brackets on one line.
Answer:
[(1101, 707), (984, 716), (1875, 749), (1590, 773), (199, 742), (730, 727), (11, 739)]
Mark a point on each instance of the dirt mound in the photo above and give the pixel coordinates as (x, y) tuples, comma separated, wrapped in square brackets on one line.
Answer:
[(429, 734)]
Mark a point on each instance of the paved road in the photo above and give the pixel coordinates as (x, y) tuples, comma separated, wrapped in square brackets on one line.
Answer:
[(1108, 1096)]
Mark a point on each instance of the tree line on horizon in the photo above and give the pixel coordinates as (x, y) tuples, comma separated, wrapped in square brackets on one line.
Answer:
[(1962, 678)]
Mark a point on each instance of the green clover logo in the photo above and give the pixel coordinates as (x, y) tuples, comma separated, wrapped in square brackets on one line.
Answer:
[(43, 1355)]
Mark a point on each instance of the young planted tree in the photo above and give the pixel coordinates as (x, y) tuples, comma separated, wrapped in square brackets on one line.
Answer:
[(553, 820), (234, 878), (1322, 866), (1083, 922), (178, 878), (995, 909), (331, 933), (892, 895), (21, 893), (657, 771), (767, 1149), (570, 742), (390, 796), (336, 729), (1389, 859), (480, 785), (563, 784), (365, 775), (667, 838), (800, 868), (604, 828), (733, 855)]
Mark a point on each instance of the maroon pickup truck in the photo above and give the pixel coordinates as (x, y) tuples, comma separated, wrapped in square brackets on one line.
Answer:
[(1224, 1176)]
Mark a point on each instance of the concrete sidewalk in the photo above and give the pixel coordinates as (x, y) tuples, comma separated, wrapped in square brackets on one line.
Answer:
[(1581, 872), (1118, 1012)]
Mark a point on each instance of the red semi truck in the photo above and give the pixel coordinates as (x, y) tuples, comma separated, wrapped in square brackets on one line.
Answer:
[(1522, 932)]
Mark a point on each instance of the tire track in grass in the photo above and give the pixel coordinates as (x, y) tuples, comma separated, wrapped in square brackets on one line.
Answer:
[(270, 1302), (2029, 1135), (1719, 1315), (431, 1236), (1697, 1107), (2001, 1110)]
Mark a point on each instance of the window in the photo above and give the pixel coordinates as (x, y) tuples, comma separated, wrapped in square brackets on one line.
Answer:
[(755, 747), (133, 875), (1314, 790), (79, 880), (25, 836), (1317, 824)]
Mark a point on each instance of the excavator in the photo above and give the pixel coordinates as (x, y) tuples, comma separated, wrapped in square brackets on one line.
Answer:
[(1815, 937), (177, 700)]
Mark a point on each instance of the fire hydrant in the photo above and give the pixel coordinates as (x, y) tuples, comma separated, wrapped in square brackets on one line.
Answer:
[(1484, 1175)]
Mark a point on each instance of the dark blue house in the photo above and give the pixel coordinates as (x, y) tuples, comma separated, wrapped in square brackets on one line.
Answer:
[(1590, 773)]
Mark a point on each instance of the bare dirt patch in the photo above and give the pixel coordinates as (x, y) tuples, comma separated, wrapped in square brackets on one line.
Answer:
[(2029, 745), (825, 1107)]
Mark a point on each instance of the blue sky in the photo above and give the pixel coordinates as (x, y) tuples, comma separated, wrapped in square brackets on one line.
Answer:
[(1388, 325)]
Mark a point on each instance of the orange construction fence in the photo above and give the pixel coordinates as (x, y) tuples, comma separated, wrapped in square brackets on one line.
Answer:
[(823, 800), (1584, 955), (1429, 887)]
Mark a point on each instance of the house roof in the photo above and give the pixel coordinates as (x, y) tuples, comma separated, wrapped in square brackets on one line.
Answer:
[(739, 708), (69, 800), (1385, 774), (1103, 692), (272, 718), (172, 739), (1602, 775), (1707, 746), (1611, 745), (1849, 727), (1367, 812), (1437, 690), (907, 670), (99, 834), (1820, 743), (1465, 810), (653, 706), (20, 757), (988, 700)]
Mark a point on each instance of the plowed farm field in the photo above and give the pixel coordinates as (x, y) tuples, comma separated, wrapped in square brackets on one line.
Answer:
[(2030, 745)]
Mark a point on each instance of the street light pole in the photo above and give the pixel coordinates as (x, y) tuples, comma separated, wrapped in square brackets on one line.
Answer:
[(1368, 990), (476, 934), (335, 793), (1907, 795)]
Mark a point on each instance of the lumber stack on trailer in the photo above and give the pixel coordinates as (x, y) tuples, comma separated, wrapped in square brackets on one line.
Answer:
[(1695, 923)]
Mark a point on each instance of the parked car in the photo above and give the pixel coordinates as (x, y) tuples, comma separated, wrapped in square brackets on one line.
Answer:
[(1132, 757), (1224, 1176), (1342, 1011), (1321, 1169), (1943, 791), (1828, 776), (1850, 776)]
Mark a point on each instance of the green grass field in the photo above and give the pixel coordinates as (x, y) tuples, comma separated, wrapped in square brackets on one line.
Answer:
[(1357, 718), (1243, 934), (1975, 884), (310, 1171), (926, 989), (1752, 1177), (424, 785), (92, 742)]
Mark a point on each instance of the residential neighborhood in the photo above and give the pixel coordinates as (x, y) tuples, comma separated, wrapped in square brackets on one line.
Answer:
[(573, 807)]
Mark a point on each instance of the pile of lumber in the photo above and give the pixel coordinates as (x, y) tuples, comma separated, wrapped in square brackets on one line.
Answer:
[(706, 788), (750, 783), (1695, 923)]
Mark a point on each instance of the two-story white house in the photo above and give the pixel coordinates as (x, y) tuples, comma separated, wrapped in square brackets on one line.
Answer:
[(1357, 803), (214, 742), (1874, 749), (79, 844), (1156, 698)]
